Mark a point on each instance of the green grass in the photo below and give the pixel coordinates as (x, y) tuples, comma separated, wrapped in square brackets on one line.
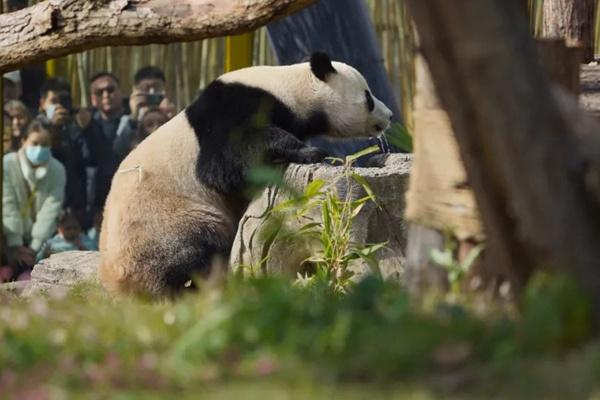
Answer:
[(268, 338)]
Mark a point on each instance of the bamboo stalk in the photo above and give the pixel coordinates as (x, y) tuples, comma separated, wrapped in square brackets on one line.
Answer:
[(82, 74)]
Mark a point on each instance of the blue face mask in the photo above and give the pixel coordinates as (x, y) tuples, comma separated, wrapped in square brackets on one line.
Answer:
[(37, 155)]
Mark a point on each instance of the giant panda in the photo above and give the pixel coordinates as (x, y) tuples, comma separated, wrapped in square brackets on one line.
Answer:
[(176, 199)]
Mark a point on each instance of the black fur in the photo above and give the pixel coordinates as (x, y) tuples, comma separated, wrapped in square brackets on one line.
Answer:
[(239, 126), (321, 66), (180, 255), (370, 101)]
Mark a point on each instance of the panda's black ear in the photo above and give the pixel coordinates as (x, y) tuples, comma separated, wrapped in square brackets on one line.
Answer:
[(321, 66)]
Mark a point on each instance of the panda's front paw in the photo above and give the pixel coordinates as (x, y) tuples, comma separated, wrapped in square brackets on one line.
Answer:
[(311, 155), (377, 161)]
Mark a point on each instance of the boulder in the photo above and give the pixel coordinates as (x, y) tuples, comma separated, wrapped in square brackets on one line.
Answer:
[(255, 250), (60, 272)]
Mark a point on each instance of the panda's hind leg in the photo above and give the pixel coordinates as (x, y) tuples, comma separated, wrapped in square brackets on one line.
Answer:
[(166, 266), (166, 241)]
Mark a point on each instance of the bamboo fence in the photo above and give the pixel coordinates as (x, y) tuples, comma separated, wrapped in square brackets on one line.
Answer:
[(191, 66)]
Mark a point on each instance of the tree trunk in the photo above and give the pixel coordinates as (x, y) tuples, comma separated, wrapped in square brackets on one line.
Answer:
[(572, 20), (54, 28), (532, 169)]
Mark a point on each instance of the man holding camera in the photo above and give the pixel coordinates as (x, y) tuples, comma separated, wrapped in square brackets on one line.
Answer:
[(69, 143), (149, 91), (118, 128)]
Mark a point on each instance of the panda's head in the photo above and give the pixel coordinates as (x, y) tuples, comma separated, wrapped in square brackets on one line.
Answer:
[(345, 97)]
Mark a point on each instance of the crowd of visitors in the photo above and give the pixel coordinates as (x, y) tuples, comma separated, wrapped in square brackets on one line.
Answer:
[(60, 159)]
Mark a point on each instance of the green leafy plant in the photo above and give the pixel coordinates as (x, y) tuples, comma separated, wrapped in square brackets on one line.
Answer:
[(400, 137), (456, 269), (331, 233)]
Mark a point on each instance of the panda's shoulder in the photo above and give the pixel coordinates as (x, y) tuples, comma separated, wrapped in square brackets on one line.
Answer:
[(222, 99)]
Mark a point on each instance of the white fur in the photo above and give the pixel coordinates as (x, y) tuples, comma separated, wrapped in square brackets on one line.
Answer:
[(341, 97)]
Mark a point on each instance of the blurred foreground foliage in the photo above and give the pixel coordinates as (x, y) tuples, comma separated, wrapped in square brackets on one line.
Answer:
[(260, 329)]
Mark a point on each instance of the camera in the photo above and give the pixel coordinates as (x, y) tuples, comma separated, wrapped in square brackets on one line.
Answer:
[(154, 99), (64, 99)]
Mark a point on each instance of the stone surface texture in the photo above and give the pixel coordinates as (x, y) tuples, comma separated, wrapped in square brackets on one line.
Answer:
[(373, 224), (61, 271)]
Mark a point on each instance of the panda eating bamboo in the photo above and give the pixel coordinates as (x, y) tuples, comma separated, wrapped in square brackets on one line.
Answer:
[(176, 200)]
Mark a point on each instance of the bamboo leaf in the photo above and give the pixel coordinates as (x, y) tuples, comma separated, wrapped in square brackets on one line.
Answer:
[(399, 136), (314, 188), (365, 185), (442, 258), (363, 152), (472, 256), (373, 248)]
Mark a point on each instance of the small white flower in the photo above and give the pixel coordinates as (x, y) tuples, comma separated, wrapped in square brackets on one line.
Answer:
[(169, 318), (58, 337)]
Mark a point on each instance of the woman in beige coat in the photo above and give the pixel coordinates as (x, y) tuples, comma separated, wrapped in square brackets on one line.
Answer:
[(34, 189)]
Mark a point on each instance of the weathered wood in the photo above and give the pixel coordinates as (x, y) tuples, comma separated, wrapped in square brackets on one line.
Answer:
[(561, 62), (438, 200), (438, 196), (572, 20), (590, 89), (54, 28), (524, 157)]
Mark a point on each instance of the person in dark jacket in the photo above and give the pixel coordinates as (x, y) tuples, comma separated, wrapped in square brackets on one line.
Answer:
[(69, 144), (110, 125)]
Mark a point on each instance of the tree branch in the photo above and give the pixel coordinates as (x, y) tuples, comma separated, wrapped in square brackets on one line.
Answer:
[(57, 27)]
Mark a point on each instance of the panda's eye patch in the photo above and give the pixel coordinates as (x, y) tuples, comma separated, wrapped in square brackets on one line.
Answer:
[(370, 101)]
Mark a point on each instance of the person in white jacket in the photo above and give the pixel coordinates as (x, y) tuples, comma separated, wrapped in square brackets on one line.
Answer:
[(34, 190)]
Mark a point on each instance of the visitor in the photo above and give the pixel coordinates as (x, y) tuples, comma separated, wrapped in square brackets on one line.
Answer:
[(109, 122), (12, 88), (94, 232), (69, 145), (34, 190), (69, 237), (19, 117), (150, 91), (153, 119)]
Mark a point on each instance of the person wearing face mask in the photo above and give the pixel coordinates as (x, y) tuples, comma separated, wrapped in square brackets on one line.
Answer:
[(34, 190)]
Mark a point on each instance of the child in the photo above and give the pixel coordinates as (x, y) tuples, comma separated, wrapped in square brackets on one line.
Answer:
[(151, 121), (69, 237), (94, 232)]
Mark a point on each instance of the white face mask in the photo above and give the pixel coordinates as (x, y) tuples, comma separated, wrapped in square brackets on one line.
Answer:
[(38, 155)]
